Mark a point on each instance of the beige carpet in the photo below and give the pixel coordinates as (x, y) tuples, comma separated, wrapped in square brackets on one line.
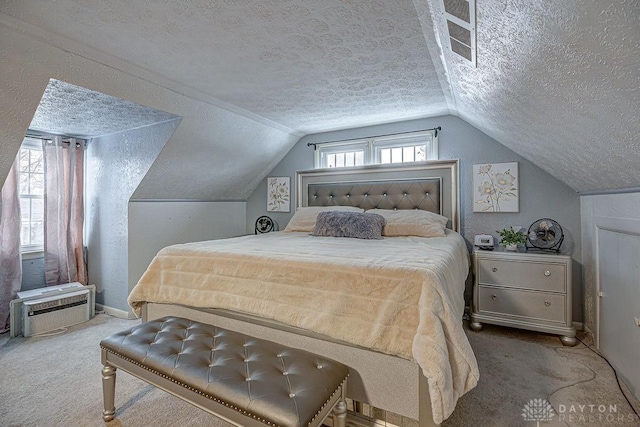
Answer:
[(55, 381), (517, 366)]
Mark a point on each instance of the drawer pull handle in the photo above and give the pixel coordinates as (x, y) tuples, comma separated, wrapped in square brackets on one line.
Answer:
[(547, 303), (494, 297), (547, 273), (494, 269)]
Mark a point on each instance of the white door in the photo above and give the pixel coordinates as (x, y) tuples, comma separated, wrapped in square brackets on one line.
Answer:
[(619, 335)]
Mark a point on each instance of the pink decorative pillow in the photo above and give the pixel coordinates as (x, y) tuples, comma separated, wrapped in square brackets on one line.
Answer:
[(412, 223)]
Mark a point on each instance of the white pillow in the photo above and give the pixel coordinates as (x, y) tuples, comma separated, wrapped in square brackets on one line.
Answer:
[(305, 218), (412, 223)]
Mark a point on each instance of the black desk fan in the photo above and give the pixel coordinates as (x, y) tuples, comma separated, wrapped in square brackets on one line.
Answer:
[(545, 235), (264, 224)]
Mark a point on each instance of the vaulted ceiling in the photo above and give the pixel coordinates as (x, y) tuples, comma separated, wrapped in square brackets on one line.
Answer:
[(557, 82), (66, 109)]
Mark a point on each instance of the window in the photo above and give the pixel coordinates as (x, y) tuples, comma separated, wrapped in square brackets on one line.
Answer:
[(340, 155), (402, 148), (31, 192)]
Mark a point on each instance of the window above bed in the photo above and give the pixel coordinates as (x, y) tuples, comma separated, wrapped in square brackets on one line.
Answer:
[(401, 148)]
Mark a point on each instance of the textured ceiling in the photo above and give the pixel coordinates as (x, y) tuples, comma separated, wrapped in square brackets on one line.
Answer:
[(72, 110), (308, 65), (557, 82)]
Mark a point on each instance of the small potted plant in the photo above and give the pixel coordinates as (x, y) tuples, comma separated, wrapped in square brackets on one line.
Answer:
[(512, 238)]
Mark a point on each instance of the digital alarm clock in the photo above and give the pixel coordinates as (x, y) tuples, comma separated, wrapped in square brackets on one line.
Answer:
[(483, 241)]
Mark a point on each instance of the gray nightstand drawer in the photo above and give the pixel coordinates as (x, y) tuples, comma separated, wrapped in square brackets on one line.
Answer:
[(523, 290), (523, 274), (533, 305)]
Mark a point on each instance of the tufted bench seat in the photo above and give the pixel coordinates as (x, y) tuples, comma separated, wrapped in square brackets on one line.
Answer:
[(242, 379)]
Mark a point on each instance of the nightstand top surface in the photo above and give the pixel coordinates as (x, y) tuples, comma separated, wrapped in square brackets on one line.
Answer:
[(502, 253)]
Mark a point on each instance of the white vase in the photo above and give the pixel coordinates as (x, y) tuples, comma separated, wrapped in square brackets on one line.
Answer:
[(511, 247)]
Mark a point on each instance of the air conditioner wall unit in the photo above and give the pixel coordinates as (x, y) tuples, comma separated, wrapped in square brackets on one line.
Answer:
[(43, 310), (44, 315)]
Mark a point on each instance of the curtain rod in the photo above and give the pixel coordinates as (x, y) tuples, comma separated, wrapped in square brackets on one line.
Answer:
[(436, 129), (48, 138), (65, 139)]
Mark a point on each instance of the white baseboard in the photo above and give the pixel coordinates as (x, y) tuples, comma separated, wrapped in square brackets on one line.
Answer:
[(593, 336), (115, 312)]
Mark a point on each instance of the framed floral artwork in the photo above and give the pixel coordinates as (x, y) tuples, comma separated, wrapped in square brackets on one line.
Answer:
[(278, 194), (495, 187)]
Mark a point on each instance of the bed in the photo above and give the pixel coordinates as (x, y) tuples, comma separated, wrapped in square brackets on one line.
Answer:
[(390, 309)]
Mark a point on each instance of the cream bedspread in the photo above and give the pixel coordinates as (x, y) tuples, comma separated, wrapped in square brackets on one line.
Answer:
[(400, 295)]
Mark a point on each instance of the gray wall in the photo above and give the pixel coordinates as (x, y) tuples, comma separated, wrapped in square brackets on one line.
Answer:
[(541, 195), (177, 222), (32, 273), (115, 166)]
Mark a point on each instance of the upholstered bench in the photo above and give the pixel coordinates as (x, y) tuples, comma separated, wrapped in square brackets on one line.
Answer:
[(242, 379)]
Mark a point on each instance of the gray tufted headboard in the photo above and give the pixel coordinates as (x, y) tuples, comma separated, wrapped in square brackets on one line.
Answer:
[(392, 194), (431, 186)]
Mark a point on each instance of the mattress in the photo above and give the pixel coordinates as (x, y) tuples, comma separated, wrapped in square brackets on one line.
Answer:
[(399, 295)]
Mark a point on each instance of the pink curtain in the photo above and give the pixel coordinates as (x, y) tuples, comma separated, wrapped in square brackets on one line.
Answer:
[(10, 258), (64, 211)]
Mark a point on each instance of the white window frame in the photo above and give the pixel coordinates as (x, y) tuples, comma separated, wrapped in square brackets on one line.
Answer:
[(373, 145), (32, 144), (322, 152)]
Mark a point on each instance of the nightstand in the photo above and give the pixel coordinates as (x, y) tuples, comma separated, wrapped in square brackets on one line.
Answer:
[(523, 290)]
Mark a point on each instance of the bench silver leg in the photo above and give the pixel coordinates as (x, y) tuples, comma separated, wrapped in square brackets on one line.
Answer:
[(108, 392), (340, 414)]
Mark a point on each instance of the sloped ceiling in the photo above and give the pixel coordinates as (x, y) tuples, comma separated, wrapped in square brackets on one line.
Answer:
[(66, 109), (557, 82)]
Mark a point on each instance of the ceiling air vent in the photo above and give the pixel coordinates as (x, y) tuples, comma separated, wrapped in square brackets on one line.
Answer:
[(461, 27)]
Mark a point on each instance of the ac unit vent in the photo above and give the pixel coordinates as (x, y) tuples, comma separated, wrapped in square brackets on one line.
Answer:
[(461, 18), (55, 305)]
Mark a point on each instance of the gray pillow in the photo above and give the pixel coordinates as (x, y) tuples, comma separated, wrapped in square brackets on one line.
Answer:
[(349, 224)]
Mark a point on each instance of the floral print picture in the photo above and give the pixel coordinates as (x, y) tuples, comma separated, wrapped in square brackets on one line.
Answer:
[(278, 194), (495, 187)]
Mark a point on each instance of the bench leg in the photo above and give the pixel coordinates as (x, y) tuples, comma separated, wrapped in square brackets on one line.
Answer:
[(340, 414), (108, 392)]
